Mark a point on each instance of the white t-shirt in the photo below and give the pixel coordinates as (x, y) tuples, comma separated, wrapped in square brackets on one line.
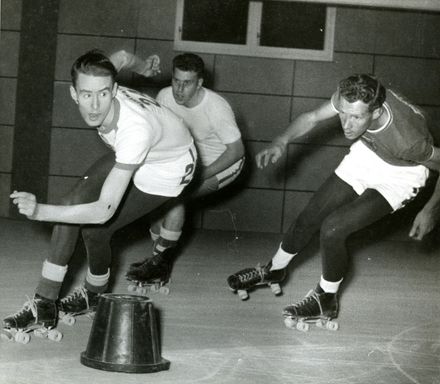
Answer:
[(212, 123), (153, 140)]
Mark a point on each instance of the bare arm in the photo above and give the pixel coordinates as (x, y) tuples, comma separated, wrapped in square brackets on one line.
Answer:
[(97, 212), (429, 215), (301, 126), (126, 60), (234, 151)]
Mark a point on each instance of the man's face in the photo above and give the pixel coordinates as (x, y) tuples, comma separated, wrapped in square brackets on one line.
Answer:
[(185, 86), (94, 96), (355, 117)]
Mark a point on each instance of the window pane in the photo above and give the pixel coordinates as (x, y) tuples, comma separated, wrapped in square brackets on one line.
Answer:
[(293, 25), (222, 21)]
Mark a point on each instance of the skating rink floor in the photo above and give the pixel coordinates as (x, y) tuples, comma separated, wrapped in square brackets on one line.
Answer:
[(389, 318)]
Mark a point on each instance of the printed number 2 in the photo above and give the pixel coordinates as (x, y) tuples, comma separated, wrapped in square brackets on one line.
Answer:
[(188, 174), (189, 170)]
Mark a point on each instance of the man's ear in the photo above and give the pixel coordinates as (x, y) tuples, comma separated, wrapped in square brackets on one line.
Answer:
[(200, 82), (73, 94), (377, 113), (115, 89)]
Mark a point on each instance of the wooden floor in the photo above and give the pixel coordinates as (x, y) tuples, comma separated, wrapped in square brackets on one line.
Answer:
[(389, 319)]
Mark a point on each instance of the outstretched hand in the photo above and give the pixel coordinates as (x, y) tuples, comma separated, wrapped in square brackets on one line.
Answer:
[(423, 223), (152, 66), (271, 154), (26, 203)]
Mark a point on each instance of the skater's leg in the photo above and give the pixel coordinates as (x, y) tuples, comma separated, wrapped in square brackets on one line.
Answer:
[(350, 218), (330, 196), (171, 228), (41, 309), (341, 223), (135, 205), (167, 230), (97, 243), (64, 236)]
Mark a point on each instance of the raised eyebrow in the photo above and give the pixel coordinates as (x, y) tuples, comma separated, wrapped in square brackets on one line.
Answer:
[(359, 115), (182, 81), (98, 91)]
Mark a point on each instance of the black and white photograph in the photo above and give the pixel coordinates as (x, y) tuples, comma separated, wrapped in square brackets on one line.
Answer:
[(220, 191)]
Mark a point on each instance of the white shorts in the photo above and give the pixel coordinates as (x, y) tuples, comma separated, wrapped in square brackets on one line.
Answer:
[(363, 169), (167, 178)]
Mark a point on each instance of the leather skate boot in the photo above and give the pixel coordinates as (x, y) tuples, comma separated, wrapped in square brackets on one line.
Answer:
[(79, 302), (153, 275), (36, 312), (249, 278), (317, 307), (155, 268), (161, 245)]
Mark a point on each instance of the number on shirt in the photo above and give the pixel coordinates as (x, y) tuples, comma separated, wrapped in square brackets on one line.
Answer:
[(189, 170)]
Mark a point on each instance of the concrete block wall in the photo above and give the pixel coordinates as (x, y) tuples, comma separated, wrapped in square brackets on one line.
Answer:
[(9, 48), (401, 47)]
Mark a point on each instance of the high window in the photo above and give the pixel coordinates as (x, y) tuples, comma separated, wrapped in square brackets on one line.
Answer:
[(270, 28)]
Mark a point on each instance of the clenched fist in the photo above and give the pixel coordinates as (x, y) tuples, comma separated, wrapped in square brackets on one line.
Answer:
[(26, 203)]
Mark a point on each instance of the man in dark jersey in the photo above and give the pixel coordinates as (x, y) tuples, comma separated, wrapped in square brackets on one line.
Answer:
[(387, 165)]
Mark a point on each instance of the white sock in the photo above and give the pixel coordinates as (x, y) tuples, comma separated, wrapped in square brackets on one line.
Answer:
[(53, 272), (169, 235), (281, 259), (154, 236), (330, 286), (97, 280)]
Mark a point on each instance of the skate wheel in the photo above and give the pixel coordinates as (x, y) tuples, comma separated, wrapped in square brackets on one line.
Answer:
[(91, 315), (332, 326), (302, 326), (22, 337), (142, 291), (54, 335), (132, 288), (154, 288), (289, 322), (276, 289), (40, 332), (7, 336), (242, 294), (164, 290), (69, 320)]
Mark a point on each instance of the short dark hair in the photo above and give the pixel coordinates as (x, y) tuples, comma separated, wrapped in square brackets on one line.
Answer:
[(95, 63), (190, 62), (365, 88)]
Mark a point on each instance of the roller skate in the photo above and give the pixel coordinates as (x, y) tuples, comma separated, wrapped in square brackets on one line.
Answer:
[(38, 316), (160, 245), (153, 275), (249, 278), (317, 307), (80, 302)]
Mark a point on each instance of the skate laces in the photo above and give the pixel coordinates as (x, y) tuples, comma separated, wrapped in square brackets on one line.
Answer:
[(76, 294), (252, 274), (30, 304), (310, 297), (154, 260)]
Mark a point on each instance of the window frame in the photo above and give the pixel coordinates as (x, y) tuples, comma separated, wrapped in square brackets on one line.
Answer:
[(251, 48)]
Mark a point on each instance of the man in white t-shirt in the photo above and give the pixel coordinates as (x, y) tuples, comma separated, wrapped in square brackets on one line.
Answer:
[(154, 159), (217, 137)]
